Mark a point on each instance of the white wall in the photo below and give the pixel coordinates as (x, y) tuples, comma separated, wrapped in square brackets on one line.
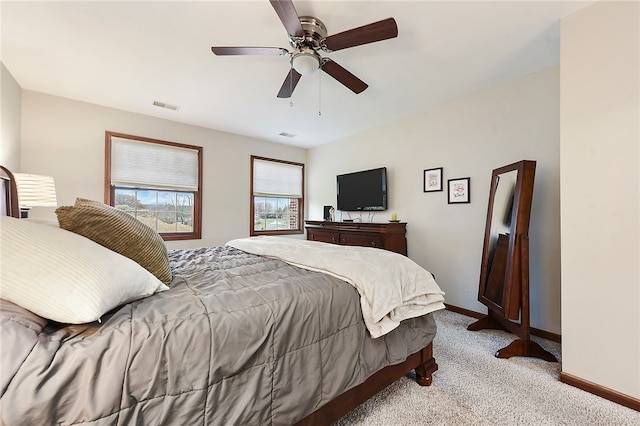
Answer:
[(600, 162), (10, 112), (469, 137), (64, 138)]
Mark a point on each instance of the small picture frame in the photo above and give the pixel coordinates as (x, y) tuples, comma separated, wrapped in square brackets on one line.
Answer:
[(459, 190), (433, 180)]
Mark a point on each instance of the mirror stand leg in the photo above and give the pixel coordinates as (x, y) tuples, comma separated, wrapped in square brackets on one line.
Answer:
[(487, 322), (528, 348)]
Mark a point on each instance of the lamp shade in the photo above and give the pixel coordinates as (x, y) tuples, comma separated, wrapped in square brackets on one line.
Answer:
[(35, 190)]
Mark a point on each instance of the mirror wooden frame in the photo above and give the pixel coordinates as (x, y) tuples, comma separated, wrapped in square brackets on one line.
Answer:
[(504, 273)]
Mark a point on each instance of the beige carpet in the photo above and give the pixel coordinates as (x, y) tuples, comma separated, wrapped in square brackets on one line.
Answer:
[(472, 387)]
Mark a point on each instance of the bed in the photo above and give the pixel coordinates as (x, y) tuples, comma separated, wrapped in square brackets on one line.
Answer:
[(230, 337)]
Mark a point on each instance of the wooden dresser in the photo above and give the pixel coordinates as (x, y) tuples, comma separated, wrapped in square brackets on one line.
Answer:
[(389, 236)]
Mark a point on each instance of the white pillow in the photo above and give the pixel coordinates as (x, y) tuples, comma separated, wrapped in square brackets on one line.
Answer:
[(65, 277)]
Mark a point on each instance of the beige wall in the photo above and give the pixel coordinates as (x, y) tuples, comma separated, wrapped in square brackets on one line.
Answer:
[(469, 137), (65, 139), (600, 162), (10, 110)]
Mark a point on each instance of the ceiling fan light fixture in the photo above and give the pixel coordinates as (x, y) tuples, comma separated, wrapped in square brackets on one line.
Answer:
[(305, 62)]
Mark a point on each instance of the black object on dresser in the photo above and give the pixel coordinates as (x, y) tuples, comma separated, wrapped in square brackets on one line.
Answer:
[(389, 236)]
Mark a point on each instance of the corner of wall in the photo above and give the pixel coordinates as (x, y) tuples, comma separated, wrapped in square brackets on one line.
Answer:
[(11, 119)]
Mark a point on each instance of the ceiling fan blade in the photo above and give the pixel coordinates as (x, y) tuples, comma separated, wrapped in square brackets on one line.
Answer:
[(289, 84), (289, 17), (377, 31), (230, 50), (352, 82)]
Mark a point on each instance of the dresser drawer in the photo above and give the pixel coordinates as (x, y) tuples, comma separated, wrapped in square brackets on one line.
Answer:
[(365, 240), (388, 236), (323, 236)]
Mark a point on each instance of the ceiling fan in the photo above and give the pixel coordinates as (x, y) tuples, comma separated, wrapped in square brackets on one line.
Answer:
[(307, 36)]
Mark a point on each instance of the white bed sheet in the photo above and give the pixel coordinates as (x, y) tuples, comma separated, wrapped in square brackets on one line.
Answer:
[(392, 287)]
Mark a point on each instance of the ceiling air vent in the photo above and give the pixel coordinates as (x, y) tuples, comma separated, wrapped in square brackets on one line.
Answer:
[(167, 106)]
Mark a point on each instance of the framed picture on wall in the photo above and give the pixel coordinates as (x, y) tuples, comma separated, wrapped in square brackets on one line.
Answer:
[(433, 180), (459, 190)]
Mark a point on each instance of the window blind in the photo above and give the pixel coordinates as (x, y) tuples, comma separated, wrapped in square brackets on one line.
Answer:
[(151, 165), (274, 179)]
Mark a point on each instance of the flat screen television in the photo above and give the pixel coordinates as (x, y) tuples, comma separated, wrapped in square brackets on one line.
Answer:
[(364, 190)]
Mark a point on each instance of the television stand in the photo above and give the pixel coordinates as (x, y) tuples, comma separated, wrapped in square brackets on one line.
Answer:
[(389, 236)]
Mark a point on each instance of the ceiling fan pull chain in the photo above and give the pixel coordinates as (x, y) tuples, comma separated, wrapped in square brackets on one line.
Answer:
[(320, 93)]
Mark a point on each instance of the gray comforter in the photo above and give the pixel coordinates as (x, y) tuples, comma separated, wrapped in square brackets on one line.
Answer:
[(238, 339)]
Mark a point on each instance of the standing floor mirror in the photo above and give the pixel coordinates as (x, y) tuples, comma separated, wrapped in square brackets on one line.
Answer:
[(504, 273)]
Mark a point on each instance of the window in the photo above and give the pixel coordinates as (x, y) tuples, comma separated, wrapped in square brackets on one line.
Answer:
[(277, 201), (157, 182)]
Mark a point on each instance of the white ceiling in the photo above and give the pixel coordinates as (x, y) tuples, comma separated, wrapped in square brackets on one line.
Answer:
[(127, 55)]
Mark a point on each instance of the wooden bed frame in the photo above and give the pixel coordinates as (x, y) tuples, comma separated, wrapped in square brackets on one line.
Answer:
[(422, 361)]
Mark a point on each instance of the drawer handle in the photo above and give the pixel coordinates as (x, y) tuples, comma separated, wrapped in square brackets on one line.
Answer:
[(333, 239), (373, 243)]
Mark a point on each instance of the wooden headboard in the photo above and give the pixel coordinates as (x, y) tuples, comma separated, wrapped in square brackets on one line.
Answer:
[(9, 197)]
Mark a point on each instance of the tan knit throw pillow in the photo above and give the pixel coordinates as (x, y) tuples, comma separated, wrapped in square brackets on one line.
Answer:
[(118, 231)]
